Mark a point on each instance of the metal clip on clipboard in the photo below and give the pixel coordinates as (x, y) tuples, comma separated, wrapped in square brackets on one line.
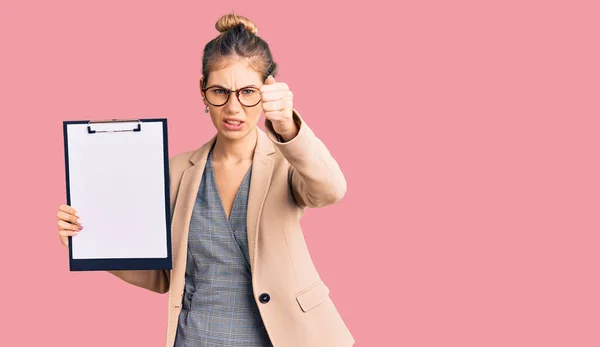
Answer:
[(90, 123)]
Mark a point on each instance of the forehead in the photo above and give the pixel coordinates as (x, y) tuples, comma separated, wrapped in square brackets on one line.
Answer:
[(234, 74)]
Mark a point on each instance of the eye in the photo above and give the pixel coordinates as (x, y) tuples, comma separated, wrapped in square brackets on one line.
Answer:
[(248, 91), (219, 91)]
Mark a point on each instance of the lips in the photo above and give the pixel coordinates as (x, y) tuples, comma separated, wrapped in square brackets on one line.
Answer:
[(233, 124)]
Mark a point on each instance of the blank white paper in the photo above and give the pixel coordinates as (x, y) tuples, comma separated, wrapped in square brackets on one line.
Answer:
[(117, 185)]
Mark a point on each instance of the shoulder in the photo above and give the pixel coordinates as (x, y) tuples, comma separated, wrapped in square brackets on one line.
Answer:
[(186, 159), (182, 159)]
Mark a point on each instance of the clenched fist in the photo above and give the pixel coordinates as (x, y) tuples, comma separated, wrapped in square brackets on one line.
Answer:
[(277, 103)]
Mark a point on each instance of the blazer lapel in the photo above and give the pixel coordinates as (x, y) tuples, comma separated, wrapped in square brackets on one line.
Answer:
[(188, 190), (262, 170)]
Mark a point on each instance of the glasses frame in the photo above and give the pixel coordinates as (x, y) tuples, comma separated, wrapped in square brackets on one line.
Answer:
[(229, 91)]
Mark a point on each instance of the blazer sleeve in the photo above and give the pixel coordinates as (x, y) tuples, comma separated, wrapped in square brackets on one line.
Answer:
[(315, 176), (154, 280)]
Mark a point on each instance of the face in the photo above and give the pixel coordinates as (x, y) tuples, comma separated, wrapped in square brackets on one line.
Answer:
[(233, 120)]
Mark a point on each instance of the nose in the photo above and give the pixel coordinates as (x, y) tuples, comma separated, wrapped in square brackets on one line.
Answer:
[(233, 104)]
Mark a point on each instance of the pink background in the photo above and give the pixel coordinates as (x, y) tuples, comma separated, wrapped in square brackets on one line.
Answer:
[(468, 133)]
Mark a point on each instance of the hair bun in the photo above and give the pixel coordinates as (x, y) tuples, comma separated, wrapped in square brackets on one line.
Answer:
[(231, 20)]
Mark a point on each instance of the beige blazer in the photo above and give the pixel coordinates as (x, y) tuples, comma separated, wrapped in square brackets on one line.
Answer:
[(286, 178)]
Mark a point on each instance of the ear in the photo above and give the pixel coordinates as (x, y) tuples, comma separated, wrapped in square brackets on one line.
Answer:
[(200, 86)]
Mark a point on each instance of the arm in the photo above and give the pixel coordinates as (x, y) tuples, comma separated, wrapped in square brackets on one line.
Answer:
[(315, 176), (154, 280)]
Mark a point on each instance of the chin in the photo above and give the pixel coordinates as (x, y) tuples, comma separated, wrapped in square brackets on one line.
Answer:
[(235, 135)]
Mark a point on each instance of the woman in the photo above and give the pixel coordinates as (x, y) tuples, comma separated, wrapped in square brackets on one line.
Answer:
[(242, 274)]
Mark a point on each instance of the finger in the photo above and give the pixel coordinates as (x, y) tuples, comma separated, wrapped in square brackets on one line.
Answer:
[(272, 106), (284, 115), (68, 209), (280, 86), (68, 217), (277, 95), (65, 233), (275, 115), (277, 105), (273, 96), (68, 226), (270, 80)]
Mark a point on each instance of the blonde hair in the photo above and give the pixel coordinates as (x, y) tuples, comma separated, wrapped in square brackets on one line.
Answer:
[(231, 20), (237, 39)]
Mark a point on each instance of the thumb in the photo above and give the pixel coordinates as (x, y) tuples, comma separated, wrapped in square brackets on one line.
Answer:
[(270, 80)]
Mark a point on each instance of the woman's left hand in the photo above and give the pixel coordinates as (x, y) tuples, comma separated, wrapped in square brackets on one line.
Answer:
[(277, 103)]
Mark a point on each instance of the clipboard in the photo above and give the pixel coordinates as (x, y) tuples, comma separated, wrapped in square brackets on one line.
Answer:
[(117, 178)]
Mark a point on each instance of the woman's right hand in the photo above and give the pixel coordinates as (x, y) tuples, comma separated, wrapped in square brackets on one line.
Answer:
[(68, 223)]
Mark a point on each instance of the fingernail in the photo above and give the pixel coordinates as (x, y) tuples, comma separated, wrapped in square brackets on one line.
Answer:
[(77, 214), (80, 227)]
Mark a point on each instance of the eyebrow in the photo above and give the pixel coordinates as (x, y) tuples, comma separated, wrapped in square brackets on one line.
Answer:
[(220, 86)]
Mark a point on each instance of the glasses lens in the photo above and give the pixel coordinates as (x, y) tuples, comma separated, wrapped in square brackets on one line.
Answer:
[(216, 96), (249, 96)]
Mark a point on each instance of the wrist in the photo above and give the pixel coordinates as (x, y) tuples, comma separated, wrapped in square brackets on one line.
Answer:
[(289, 132)]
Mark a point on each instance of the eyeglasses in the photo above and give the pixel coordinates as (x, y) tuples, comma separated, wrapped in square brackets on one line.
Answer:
[(219, 96)]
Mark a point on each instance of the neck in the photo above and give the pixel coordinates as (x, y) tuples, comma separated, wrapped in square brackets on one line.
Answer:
[(235, 150)]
